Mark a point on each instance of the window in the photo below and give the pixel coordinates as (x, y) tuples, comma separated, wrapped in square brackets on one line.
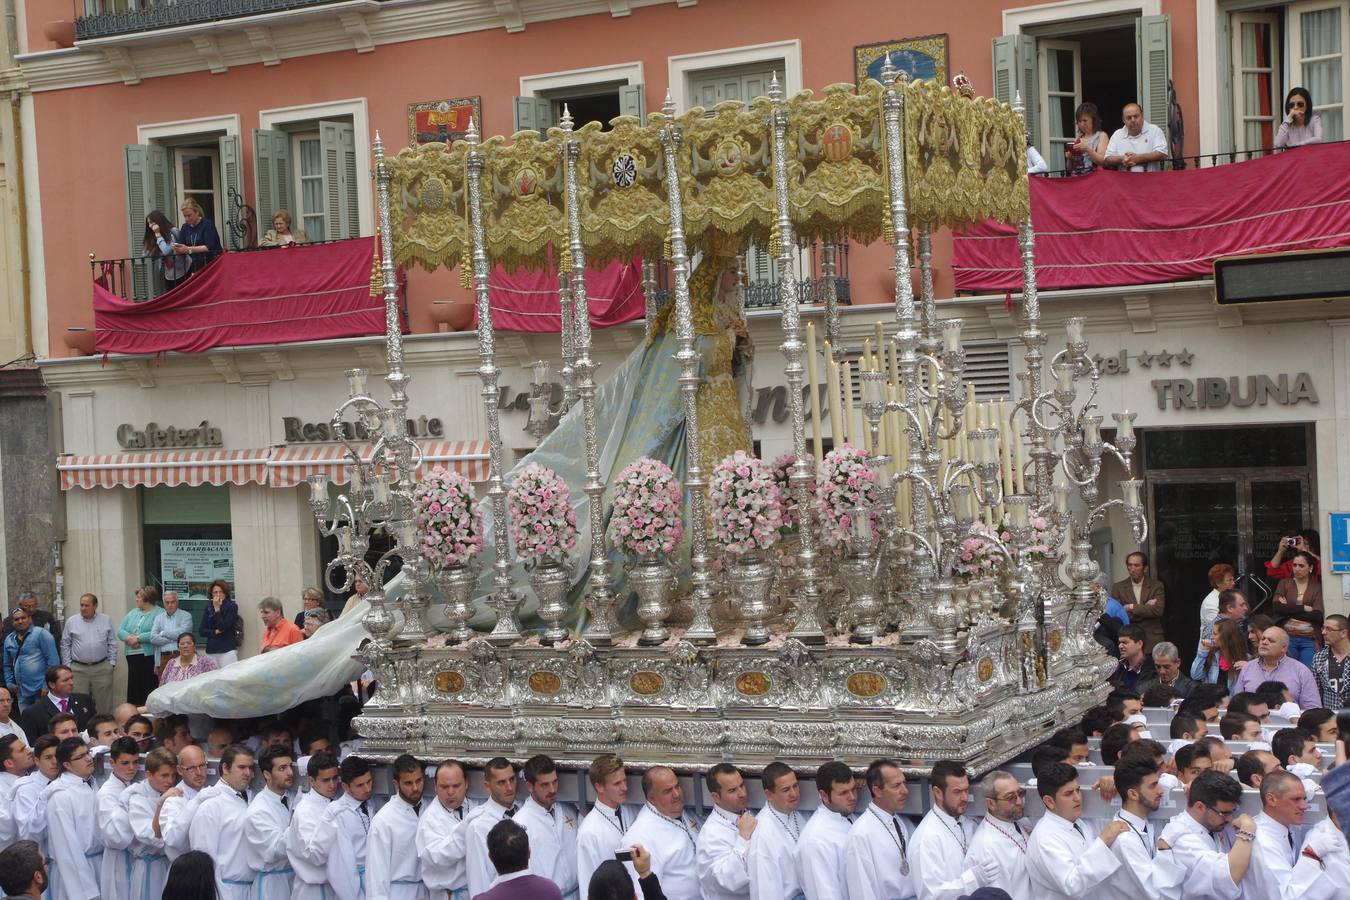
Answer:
[(1256, 79), (709, 87), (1319, 33), (309, 211), (309, 169), (591, 95), (1061, 71), (197, 170)]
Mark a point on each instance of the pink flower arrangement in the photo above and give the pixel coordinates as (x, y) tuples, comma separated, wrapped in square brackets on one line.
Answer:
[(746, 506), (647, 501), (1041, 538), (844, 482), (449, 530), (976, 557), (782, 473), (543, 523)]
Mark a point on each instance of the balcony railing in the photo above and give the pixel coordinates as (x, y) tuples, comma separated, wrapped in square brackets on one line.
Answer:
[(1207, 161), (107, 18)]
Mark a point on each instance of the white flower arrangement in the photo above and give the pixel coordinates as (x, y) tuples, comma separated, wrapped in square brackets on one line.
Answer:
[(647, 502), (542, 522), (746, 506), (450, 532), (844, 482)]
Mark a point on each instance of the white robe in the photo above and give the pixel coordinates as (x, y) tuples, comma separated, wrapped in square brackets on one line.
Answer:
[(114, 830), (9, 829), (217, 829), (393, 871), (149, 866), (1006, 844), (265, 842), (1145, 874), (347, 813), (175, 818), (1204, 856), (772, 855), (479, 870), (873, 857), (72, 836), (723, 873), (553, 842), (820, 855), (323, 862), (938, 856), (1064, 864), (1273, 858), (600, 834), (673, 849), (1329, 878), (30, 808), (440, 846)]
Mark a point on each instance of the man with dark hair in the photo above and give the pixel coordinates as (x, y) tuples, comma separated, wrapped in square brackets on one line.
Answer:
[(1123, 702), (1283, 803), (724, 839), (173, 732), (1135, 666), (1159, 696), (265, 824), (509, 849), (1144, 599), (1185, 728), (62, 726), (60, 698), (102, 731), (1097, 720), (1000, 839), (1239, 726), (142, 731), (30, 798), (1144, 872), (16, 759), (878, 854), (1297, 747), (355, 806), (772, 857), (393, 871), (72, 812), (1253, 766), (1046, 754), (820, 852), (664, 830), (1233, 607), (1115, 739), (1321, 724), (149, 867), (499, 776), (1073, 740), (114, 826), (1331, 664), (601, 831), (1249, 703), (440, 834), (1204, 843), (1062, 862), (27, 654), (1191, 760), (217, 827), (552, 826), (23, 870), (322, 860), (942, 839)]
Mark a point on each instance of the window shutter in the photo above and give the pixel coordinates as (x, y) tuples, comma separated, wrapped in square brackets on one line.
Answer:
[(272, 175), (1015, 74), (987, 368), (1153, 40), (149, 186), (632, 101), (533, 114), (337, 141), (231, 179)]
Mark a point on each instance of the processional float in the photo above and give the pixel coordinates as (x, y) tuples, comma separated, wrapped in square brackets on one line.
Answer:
[(924, 615)]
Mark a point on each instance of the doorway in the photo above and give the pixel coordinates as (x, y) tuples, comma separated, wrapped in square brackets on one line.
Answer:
[(1097, 65)]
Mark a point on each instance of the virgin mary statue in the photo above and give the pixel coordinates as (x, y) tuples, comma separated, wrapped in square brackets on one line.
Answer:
[(639, 412)]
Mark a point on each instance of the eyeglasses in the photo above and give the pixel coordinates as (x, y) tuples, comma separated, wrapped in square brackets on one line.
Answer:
[(1012, 797), (1221, 813)]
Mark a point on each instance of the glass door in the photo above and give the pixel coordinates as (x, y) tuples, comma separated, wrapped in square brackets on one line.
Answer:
[(1278, 504), (1062, 74)]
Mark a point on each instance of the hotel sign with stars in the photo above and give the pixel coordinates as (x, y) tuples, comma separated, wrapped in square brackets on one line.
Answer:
[(1163, 359)]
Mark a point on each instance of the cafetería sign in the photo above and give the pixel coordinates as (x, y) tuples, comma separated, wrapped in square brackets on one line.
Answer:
[(154, 435)]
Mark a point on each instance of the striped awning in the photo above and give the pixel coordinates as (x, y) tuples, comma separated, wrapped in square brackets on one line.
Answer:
[(153, 468), (292, 464)]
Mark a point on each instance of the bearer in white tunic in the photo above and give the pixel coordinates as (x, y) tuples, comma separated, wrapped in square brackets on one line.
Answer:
[(878, 855), (1145, 873), (353, 809), (114, 828), (440, 834), (30, 801), (1323, 867), (322, 860), (499, 777), (217, 827), (393, 871), (724, 841), (265, 823), (943, 838), (72, 830), (999, 840), (820, 852), (149, 867), (15, 760), (663, 830), (551, 826), (601, 830), (772, 856), (1063, 862), (1283, 803), (178, 804)]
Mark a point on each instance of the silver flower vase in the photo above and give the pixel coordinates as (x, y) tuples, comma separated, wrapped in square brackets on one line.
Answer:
[(550, 580), (653, 579), (456, 584), (858, 571), (752, 578)]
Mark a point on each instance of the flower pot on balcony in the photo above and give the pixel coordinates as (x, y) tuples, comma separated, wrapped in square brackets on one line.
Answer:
[(62, 33), (456, 315), (80, 340)]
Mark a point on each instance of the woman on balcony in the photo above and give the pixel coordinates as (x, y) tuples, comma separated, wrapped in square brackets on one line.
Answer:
[(1300, 126), (280, 234), (158, 242), (1088, 151), (197, 237)]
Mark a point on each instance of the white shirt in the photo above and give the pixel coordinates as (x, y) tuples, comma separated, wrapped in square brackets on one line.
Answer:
[(1006, 844), (72, 836), (878, 862), (1145, 874), (30, 808), (1063, 862), (599, 835), (316, 852), (553, 842), (440, 845), (175, 818), (114, 831), (672, 844), (1149, 139), (217, 829), (820, 855), (393, 871), (1330, 878), (9, 829), (1273, 855), (265, 825), (938, 856), (13, 727), (720, 853), (1209, 609), (1204, 856), (772, 856), (479, 869), (354, 823)]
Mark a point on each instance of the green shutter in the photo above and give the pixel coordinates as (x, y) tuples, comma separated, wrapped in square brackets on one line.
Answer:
[(632, 101), (1015, 76), (533, 114), (149, 187), (272, 176), (1030, 88), (231, 179), (1153, 39), (337, 141)]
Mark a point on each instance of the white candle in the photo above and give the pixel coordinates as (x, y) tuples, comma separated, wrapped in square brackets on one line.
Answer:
[(1062, 490), (1129, 488), (1074, 327), (1064, 378), (951, 335), (356, 483), (381, 487), (1092, 429), (540, 368), (1018, 506), (846, 380), (1125, 426), (356, 381), (832, 393), (813, 380), (318, 487)]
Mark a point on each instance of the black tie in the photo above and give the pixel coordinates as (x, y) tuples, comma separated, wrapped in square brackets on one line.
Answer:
[(285, 801), (1078, 828), (618, 814), (900, 832), (417, 808), (510, 813), (243, 796), (459, 813), (365, 810)]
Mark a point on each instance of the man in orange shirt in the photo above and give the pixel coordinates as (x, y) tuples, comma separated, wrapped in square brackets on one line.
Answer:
[(279, 630)]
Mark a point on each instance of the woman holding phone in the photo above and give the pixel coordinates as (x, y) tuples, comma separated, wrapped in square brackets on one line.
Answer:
[(1088, 151)]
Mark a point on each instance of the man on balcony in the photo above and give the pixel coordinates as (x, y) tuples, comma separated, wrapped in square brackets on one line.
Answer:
[(1139, 146), (197, 237)]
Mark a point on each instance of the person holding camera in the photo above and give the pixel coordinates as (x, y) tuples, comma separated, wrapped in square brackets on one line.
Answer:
[(1277, 567), (612, 881), (1298, 599)]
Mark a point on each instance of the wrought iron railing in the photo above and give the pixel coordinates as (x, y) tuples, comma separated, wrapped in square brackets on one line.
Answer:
[(106, 18), (1208, 160)]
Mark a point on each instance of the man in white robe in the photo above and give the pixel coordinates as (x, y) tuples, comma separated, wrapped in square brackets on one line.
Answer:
[(30, 801), (943, 838), (1283, 803), (772, 854), (1063, 862), (322, 860), (878, 854), (265, 823), (353, 809), (72, 830), (440, 834), (820, 852), (667, 834), (149, 866), (217, 827), (1200, 840), (601, 831), (1000, 840), (114, 827), (16, 760), (1323, 867), (499, 776), (179, 803), (1145, 873), (551, 826), (724, 840), (393, 871)]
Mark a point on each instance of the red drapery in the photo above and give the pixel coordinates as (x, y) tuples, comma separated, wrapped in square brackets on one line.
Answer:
[(526, 300), (303, 293), (1121, 228)]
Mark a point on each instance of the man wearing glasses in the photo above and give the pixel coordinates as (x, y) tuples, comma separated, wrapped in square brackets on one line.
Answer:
[(72, 822), (1000, 839), (1207, 841), (1331, 664)]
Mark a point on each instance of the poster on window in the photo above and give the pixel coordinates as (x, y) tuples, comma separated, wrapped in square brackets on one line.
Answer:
[(189, 567)]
